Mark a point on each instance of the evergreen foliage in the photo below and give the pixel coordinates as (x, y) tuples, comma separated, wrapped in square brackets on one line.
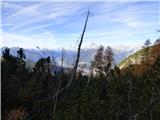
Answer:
[(111, 94)]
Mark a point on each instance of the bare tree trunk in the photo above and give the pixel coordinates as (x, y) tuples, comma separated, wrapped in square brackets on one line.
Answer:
[(58, 83), (78, 53), (62, 59), (76, 63)]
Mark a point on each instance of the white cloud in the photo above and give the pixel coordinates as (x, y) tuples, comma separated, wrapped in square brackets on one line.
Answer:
[(21, 10), (14, 40), (26, 31), (40, 12), (128, 13), (54, 24)]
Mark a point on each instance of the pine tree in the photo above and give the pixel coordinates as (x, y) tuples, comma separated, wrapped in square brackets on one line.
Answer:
[(21, 60), (40, 90), (157, 41), (20, 54), (146, 53), (156, 49), (108, 59), (98, 62), (13, 80)]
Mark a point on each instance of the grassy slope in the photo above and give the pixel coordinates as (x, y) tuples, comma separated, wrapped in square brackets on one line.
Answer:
[(135, 56)]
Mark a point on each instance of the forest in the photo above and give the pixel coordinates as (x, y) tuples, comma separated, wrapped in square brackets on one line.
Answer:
[(107, 93)]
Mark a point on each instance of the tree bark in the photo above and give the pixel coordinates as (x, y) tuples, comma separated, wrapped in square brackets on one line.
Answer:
[(78, 53)]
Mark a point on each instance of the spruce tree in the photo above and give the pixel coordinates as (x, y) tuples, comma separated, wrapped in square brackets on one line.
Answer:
[(146, 52)]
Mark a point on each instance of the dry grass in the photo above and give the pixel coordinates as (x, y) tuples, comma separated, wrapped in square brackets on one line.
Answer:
[(18, 114)]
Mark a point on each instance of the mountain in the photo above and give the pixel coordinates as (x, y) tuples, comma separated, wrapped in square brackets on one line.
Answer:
[(135, 59), (32, 55)]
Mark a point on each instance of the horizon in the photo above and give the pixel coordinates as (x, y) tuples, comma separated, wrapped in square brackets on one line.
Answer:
[(30, 24)]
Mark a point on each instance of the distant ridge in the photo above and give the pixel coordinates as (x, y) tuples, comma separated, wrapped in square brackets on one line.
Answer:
[(32, 55)]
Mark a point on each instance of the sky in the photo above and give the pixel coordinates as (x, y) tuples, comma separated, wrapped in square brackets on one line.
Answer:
[(59, 24)]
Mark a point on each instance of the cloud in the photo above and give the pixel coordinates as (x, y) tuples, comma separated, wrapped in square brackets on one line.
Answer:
[(59, 24), (131, 14), (21, 10), (14, 40), (36, 28), (36, 13)]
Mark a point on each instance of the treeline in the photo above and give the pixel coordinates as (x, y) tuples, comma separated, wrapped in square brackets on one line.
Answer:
[(108, 93)]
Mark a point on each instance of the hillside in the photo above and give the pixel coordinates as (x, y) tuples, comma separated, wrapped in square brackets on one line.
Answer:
[(132, 59), (135, 58)]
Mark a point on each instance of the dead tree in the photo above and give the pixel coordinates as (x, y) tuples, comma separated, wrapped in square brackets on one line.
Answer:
[(78, 53), (58, 85), (76, 63), (62, 59)]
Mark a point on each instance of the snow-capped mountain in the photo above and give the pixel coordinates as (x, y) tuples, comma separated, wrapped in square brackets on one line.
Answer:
[(87, 55)]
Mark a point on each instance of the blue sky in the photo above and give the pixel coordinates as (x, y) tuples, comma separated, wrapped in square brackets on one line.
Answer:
[(52, 25)]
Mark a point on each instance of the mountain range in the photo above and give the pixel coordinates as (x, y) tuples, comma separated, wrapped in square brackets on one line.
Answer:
[(87, 55)]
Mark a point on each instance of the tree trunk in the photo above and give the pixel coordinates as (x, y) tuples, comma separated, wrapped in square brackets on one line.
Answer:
[(78, 53)]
